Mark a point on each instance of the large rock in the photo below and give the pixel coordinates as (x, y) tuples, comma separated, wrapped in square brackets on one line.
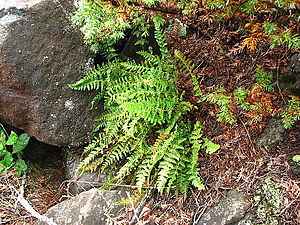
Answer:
[(40, 54), (93, 207), (228, 211)]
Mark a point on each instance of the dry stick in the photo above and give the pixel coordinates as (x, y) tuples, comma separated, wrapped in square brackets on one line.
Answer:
[(200, 215), (251, 142), (135, 213), (30, 209), (139, 208)]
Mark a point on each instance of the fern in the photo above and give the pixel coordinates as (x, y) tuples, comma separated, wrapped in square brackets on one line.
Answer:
[(264, 79), (291, 113), (141, 131)]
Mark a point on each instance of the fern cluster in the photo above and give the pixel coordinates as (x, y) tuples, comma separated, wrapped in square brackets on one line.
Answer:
[(141, 130)]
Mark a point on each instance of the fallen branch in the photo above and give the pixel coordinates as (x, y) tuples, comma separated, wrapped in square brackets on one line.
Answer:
[(30, 209)]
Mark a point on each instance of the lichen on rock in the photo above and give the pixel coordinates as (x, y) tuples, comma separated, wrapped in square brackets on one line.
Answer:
[(268, 201)]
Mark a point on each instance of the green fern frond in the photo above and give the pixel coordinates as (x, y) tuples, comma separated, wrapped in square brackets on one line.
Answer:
[(132, 162), (185, 65), (96, 151), (92, 81), (168, 164), (141, 132), (154, 60)]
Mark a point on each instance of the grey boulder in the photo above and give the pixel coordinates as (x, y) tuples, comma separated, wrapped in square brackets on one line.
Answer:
[(40, 54)]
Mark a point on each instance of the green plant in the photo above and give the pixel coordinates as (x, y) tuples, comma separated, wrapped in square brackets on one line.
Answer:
[(11, 150), (142, 125), (291, 113), (240, 97), (285, 37), (102, 24), (264, 79), (223, 101), (296, 158)]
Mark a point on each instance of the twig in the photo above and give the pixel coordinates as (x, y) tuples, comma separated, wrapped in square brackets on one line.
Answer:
[(135, 213), (142, 204), (30, 209), (115, 185), (4, 129), (249, 137), (200, 215)]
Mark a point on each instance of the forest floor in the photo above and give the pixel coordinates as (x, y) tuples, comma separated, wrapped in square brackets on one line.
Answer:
[(42, 186), (238, 164)]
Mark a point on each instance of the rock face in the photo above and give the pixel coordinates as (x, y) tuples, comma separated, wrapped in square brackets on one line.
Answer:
[(40, 54), (88, 208), (229, 210)]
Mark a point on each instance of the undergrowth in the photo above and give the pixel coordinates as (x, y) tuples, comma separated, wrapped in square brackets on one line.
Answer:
[(11, 150), (144, 135), (104, 23)]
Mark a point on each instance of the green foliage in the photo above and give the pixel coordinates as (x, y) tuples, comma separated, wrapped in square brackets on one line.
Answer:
[(285, 37), (264, 79), (296, 158), (223, 101), (291, 113), (240, 97), (102, 25), (142, 125), (11, 150)]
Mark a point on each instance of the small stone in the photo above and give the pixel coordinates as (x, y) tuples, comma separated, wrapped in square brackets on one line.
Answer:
[(272, 134), (81, 210)]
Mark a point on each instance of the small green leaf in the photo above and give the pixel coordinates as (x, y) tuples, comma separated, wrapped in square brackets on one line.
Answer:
[(13, 137), (2, 147), (296, 158), (21, 143), (3, 152), (199, 93), (8, 160), (196, 88), (21, 166), (210, 146), (2, 136), (2, 168), (141, 42)]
